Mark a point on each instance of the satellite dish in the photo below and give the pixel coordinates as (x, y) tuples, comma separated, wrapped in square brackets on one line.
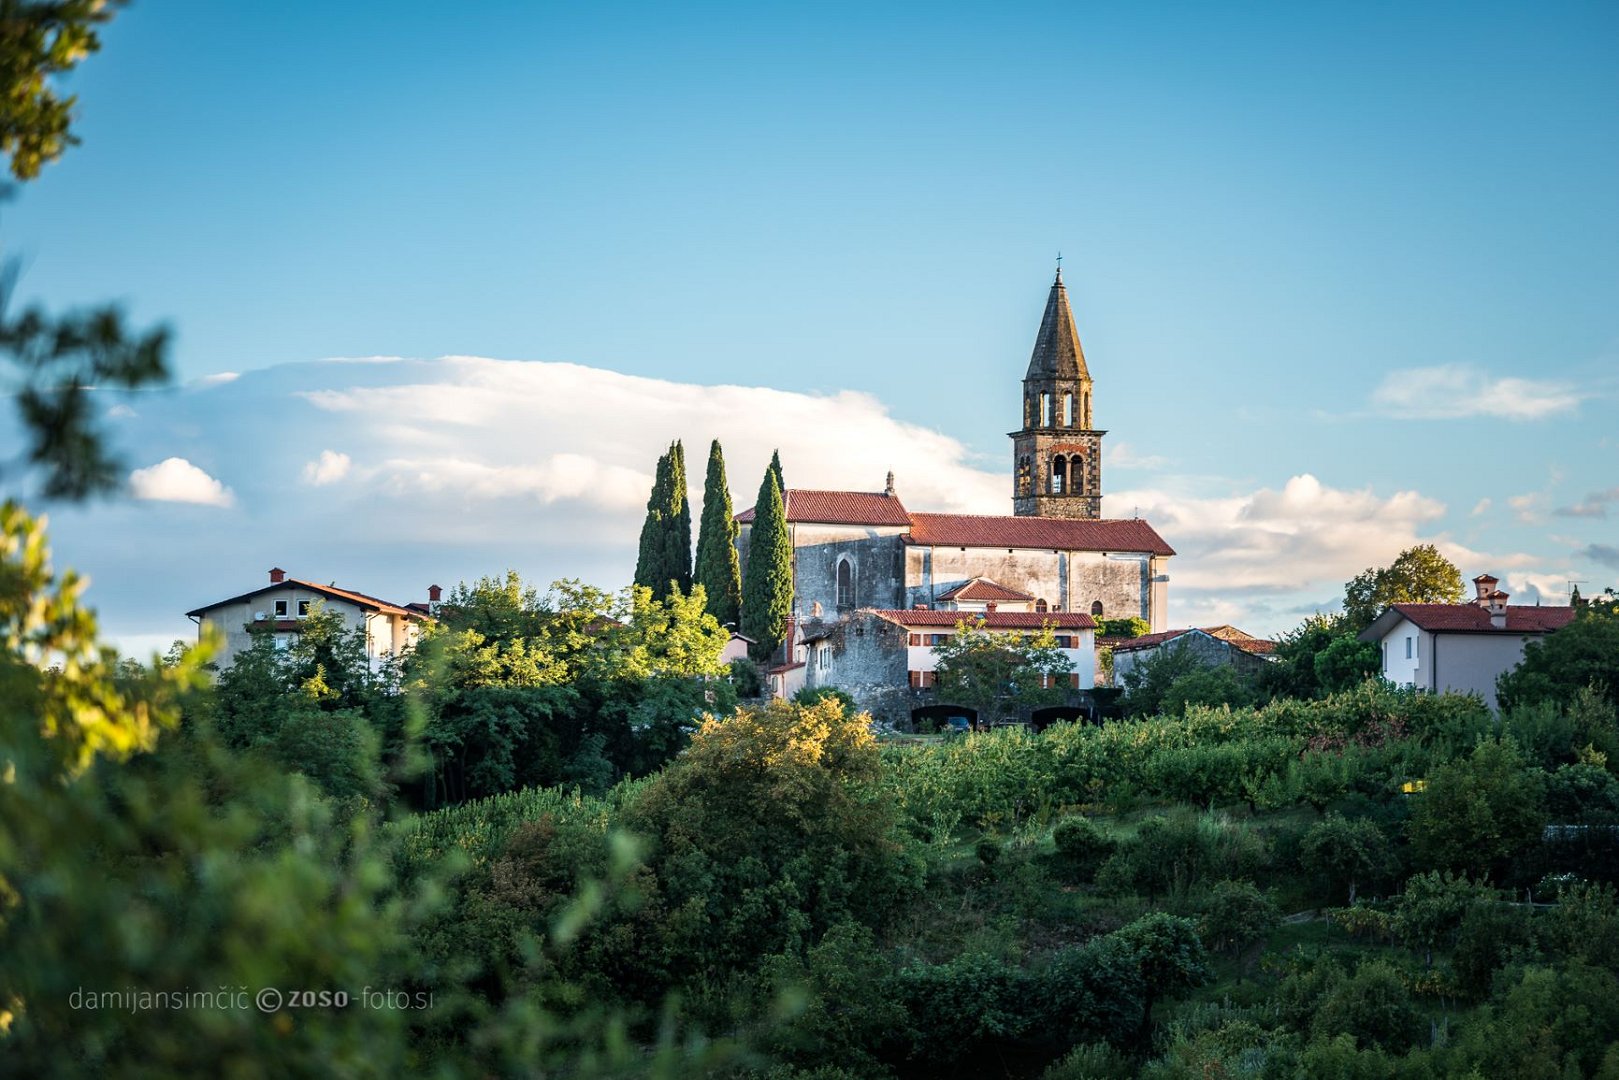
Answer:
[(258, 616)]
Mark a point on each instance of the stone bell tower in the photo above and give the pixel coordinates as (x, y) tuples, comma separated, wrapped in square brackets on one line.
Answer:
[(1057, 454)]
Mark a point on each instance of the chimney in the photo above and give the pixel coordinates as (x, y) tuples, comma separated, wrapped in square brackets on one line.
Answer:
[(889, 490), (1497, 602), (277, 576), (989, 606), (1483, 586), (433, 594)]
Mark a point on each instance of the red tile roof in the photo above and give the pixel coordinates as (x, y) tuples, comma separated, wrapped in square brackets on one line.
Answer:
[(1470, 618), (979, 530), (840, 508), (983, 589), (993, 620), (361, 600)]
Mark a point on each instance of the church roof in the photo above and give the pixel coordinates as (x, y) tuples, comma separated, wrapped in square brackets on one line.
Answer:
[(1057, 351), (983, 589), (1058, 534), (840, 508)]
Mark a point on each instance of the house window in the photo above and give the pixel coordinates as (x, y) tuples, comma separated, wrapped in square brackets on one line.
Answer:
[(1096, 610), (823, 657), (921, 680), (916, 639), (283, 642), (303, 609), (845, 585), (281, 609), (1041, 605), (1385, 656), (1408, 647), (1073, 680)]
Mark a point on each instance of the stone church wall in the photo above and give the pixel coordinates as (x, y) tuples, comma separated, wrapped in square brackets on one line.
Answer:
[(875, 560), (1068, 581)]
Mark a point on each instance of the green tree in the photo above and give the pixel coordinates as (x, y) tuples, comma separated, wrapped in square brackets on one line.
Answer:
[(1583, 653), (1346, 853), (1420, 575), (1146, 684), (1478, 811), (1374, 1006), (1236, 915), (718, 570), (1169, 957), (775, 468), (1430, 910), (1000, 672), (767, 581), (1345, 663), (1292, 672), (664, 562)]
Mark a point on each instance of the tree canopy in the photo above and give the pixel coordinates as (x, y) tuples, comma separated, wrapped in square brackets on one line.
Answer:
[(1420, 575), (997, 673)]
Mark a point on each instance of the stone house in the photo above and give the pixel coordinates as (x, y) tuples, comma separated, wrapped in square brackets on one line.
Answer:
[(1211, 645)]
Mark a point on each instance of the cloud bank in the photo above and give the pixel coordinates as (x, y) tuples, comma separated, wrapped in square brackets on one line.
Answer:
[(1456, 391), (388, 475)]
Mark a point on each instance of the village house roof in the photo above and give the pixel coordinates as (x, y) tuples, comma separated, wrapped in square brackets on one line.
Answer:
[(1057, 534), (840, 508), (983, 589), (1228, 634), (331, 592), (1470, 619), (989, 620), (1057, 351), (968, 530)]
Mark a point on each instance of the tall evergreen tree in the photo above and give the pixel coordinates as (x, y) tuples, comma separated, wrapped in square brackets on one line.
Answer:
[(767, 585), (781, 481), (665, 552), (718, 571), (677, 530)]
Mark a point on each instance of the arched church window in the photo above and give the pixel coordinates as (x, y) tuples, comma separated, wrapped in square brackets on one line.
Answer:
[(1059, 474), (1076, 475), (1096, 610), (845, 585), (1068, 410), (1045, 408), (1041, 605)]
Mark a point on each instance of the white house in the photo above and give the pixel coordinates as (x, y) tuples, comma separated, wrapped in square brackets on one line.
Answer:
[(279, 607), (1461, 647)]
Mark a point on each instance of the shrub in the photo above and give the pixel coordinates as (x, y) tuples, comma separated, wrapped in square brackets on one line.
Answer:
[(1373, 1006), (1082, 845), (1344, 854), (1236, 915)]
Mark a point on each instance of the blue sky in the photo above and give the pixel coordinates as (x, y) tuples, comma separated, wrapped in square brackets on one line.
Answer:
[(1343, 273)]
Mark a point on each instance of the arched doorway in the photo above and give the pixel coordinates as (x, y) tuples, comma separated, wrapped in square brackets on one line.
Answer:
[(943, 717)]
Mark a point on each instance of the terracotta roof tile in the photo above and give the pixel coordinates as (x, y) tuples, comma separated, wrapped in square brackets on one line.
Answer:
[(1470, 618), (983, 589), (330, 591), (993, 620), (840, 508), (980, 530)]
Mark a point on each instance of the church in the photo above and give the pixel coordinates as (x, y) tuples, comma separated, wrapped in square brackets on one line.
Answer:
[(877, 584)]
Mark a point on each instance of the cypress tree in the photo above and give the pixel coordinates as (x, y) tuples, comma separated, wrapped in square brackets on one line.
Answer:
[(649, 561), (781, 482), (677, 528), (718, 571), (767, 585), (665, 552)]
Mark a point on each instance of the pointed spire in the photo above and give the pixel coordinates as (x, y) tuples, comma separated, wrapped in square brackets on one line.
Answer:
[(1056, 348)]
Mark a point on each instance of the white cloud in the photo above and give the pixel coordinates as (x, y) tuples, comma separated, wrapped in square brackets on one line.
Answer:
[(120, 412), (1124, 456), (1454, 391), (1481, 507), (177, 480), (218, 378), (1530, 508), (329, 468), (1594, 505)]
